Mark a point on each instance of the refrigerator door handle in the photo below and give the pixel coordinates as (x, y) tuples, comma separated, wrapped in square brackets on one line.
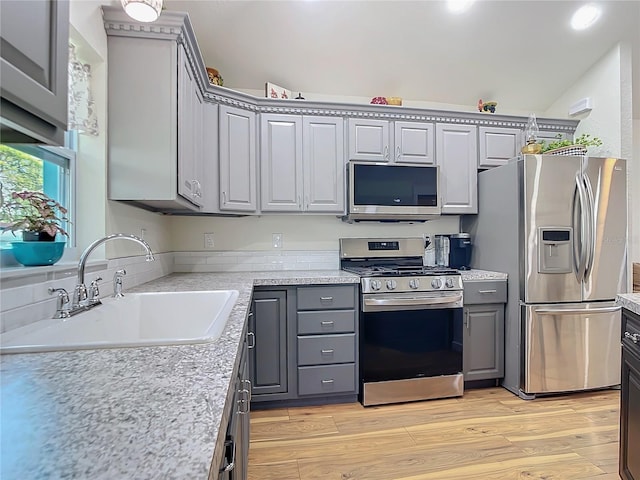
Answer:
[(591, 227), (573, 311), (583, 233)]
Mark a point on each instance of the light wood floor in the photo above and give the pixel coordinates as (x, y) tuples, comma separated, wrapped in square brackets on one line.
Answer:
[(486, 434)]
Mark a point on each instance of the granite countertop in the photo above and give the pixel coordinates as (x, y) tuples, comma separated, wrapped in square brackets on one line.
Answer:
[(474, 275), (143, 413), (630, 301)]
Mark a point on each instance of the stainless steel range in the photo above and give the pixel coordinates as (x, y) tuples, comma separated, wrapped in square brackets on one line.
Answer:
[(410, 321)]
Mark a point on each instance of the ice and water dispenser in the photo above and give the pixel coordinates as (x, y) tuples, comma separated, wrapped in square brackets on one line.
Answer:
[(555, 250)]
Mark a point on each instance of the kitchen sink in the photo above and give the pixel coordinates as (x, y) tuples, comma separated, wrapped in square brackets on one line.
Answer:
[(135, 320)]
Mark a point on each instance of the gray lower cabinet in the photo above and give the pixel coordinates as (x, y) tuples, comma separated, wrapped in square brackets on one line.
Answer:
[(483, 334), (33, 71), (235, 461), (303, 343), (629, 463), (268, 352), (326, 340)]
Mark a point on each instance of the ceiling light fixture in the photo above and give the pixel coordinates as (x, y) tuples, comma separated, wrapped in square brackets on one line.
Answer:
[(459, 6), (585, 16), (143, 10)]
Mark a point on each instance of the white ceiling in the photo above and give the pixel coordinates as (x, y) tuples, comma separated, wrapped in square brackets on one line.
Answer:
[(522, 54)]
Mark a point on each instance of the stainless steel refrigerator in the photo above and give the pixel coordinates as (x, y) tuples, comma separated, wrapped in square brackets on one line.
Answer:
[(557, 226)]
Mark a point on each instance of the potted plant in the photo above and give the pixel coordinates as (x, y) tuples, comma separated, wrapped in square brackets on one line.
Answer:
[(38, 216), (569, 147)]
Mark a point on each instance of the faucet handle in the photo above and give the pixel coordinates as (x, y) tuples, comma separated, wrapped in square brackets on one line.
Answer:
[(94, 291), (117, 283), (62, 302)]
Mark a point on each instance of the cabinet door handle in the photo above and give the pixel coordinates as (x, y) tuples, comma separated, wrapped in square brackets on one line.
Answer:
[(327, 381), (232, 463), (467, 323), (251, 340), (326, 299), (487, 291), (398, 153), (224, 198), (247, 382), (328, 351), (634, 337), (386, 152), (243, 403), (326, 323)]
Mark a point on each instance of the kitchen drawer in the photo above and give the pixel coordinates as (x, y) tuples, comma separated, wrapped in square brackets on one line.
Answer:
[(485, 291), (326, 297), (324, 380), (322, 349), (333, 321)]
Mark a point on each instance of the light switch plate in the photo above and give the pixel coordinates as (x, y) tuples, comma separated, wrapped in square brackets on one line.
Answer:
[(208, 240)]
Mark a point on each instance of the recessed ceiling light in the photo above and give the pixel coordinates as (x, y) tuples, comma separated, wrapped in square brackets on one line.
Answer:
[(585, 16), (459, 6)]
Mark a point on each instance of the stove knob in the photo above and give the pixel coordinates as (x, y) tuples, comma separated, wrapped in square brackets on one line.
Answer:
[(449, 283), (391, 284), (414, 283), (375, 284), (436, 283)]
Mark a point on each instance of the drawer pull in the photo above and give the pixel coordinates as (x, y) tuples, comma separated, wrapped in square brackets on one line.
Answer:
[(326, 323), (327, 381), (326, 299), (487, 291), (327, 352), (634, 337)]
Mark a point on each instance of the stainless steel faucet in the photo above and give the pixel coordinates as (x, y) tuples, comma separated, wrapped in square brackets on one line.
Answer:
[(81, 301)]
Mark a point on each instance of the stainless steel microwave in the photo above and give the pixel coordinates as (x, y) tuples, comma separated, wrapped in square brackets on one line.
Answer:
[(392, 191)]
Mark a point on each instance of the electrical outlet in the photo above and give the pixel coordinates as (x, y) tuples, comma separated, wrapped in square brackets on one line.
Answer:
[(277, 240), (208, 240)]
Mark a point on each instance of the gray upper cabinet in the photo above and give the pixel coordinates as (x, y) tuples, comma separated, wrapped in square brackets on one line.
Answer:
[(281, 163), (414, 142), (457, 156), (387, 141), (238, 172), (369, 140), (156, 142), (33, 70), (190, 134), (323, 164), (498, 145), (301, 164)]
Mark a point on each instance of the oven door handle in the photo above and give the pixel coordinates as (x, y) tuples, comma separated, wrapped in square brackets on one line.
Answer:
[(414, 302)]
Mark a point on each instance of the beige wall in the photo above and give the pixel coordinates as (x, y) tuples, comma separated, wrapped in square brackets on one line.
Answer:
[(302, 232)]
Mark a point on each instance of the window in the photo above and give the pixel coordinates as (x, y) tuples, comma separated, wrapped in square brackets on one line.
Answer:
[(38, 168)]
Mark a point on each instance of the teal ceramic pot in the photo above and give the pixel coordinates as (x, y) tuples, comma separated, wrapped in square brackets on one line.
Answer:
[(31, 254)]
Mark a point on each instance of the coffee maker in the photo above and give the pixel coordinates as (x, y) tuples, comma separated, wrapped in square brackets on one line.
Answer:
[(460, 247)]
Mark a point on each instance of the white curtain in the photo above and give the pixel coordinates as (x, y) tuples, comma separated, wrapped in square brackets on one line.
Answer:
[(82, 112)]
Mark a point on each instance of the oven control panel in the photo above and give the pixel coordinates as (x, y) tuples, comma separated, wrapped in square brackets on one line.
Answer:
[(411, 284)]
